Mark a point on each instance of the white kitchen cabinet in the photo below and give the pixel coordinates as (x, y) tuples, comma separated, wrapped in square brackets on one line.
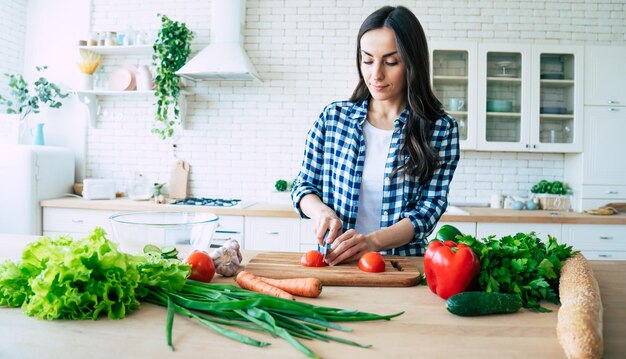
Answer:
[(605, 75), (604, 144), (557, 98), (529, 98), (272, 234), (228, 227), (598, 175), (500, 230), (596, 241), (307, 240), (454, 80), (76, 222)]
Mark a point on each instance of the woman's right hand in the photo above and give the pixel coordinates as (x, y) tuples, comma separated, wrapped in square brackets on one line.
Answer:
[(327, 221)]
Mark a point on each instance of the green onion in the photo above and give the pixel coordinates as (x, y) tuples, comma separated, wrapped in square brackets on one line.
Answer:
[(214, 305)]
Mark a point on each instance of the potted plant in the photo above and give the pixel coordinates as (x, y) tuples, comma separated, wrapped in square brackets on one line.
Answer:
[(282, 191), (552, 195), (171, 51), (20, 102)]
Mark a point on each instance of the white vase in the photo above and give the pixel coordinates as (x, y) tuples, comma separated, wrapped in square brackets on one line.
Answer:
[(86, 82), (9, 129)]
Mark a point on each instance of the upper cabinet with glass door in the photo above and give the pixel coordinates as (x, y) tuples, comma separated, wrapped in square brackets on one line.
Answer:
[(557, 98), (453, 71), (530, 98), (504, 97)]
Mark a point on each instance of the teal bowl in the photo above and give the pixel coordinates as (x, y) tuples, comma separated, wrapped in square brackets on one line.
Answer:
[(499, 106)]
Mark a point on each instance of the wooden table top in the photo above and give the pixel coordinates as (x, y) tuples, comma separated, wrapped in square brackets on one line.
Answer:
[(265, 209), (425, 330)]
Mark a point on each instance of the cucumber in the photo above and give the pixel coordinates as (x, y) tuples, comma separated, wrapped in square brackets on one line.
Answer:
[(469, 304), (151, 248)]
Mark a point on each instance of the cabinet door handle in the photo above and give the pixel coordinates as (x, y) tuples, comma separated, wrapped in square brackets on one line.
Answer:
[(527, 145), (613, 109), (612, 102), (272, 233), (534, 146), (612, 192), (77, 221), (604, 255), (606, 237)]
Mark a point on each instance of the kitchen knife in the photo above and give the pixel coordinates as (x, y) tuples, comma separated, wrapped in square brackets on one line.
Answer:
[(325, 246)]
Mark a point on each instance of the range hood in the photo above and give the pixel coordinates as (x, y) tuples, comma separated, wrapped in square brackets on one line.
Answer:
[(224, 58)]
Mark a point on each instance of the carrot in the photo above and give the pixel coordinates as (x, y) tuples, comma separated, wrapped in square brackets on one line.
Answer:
[(303, 287), (251, 282)]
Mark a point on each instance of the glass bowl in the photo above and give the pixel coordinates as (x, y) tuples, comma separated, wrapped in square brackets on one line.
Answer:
[(183, 230)]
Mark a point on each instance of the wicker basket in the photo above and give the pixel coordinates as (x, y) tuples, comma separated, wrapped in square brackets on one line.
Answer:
[(554, 202)]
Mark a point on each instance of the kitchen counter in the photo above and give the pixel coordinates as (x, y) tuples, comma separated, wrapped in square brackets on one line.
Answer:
[(286, 210), (425, 330)]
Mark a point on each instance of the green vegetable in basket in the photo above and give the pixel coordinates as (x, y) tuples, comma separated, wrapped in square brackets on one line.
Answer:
[(556, 187)]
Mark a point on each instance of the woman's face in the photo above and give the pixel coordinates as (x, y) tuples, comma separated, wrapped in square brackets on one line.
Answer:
[(381, 65)]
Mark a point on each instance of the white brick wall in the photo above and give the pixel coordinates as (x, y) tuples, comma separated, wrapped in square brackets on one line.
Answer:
[(240, 137), (12, 33)]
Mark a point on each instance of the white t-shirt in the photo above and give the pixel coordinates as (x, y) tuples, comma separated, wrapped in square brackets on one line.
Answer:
[(377, 142)]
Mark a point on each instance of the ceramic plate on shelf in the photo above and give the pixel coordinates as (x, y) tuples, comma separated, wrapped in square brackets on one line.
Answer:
[(121, 79)]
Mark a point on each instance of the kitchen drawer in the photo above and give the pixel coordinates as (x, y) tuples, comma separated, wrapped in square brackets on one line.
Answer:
[(510, 229), (595, 237), (605, 255), (272, 234), (228, 227), (610, 192), (76, 220)]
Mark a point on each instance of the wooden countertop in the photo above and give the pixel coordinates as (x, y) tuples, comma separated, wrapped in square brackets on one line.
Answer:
[(425, 330), (286, 210)]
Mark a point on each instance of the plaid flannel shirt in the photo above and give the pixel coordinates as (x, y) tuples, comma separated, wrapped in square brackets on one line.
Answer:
[(333, 165)]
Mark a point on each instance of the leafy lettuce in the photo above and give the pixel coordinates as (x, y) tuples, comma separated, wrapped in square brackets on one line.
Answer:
[(64, 278)]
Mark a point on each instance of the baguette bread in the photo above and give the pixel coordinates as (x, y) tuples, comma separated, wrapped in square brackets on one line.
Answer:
[(579, 326)]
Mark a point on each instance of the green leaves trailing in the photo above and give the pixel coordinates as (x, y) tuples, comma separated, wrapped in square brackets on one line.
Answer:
[(522, 265), (64, 278), (171, 50)]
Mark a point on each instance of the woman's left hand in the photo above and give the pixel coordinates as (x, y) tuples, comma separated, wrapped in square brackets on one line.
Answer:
[(349, 246)]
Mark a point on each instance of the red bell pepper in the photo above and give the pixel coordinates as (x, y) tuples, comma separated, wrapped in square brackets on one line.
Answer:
[(450, 268)]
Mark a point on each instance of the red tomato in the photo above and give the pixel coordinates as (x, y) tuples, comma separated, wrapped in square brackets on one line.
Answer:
[(202, 268), (312, 259), (372, 262)]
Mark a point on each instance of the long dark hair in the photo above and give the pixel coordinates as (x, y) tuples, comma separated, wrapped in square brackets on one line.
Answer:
[(424, 106)]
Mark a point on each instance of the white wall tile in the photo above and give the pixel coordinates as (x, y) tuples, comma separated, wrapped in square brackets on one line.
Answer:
[(241, 137)]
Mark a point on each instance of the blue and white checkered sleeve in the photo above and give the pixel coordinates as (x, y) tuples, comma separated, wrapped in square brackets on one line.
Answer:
[(309, 179), (433, 200)]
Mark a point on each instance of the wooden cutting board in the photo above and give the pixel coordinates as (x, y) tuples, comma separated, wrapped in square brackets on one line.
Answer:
[(178, 180), (282, 265)]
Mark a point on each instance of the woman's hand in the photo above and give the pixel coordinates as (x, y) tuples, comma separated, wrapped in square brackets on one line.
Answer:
[(348, 247), (327, 221)]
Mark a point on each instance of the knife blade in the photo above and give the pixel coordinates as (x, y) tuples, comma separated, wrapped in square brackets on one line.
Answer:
[(325, 246)]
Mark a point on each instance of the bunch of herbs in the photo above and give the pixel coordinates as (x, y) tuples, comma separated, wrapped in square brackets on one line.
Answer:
[(521, 264)]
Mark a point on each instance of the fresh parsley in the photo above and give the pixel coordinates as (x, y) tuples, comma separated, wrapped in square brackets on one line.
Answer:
[(521, 264)]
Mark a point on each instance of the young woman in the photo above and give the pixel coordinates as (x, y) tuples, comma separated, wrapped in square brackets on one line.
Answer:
[(376, 168)]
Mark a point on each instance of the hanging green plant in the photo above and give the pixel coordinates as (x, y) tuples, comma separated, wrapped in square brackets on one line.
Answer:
[(171, 51)]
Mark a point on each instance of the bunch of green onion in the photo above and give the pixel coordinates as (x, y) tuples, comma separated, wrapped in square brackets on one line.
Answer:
[(215, 305)]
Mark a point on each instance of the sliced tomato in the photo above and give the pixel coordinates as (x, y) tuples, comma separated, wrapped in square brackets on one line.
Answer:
[(372, 262), (312, 258), (202, 267)]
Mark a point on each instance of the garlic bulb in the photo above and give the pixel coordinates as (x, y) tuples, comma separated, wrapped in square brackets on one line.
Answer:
[(233, 244), (226, 261)]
